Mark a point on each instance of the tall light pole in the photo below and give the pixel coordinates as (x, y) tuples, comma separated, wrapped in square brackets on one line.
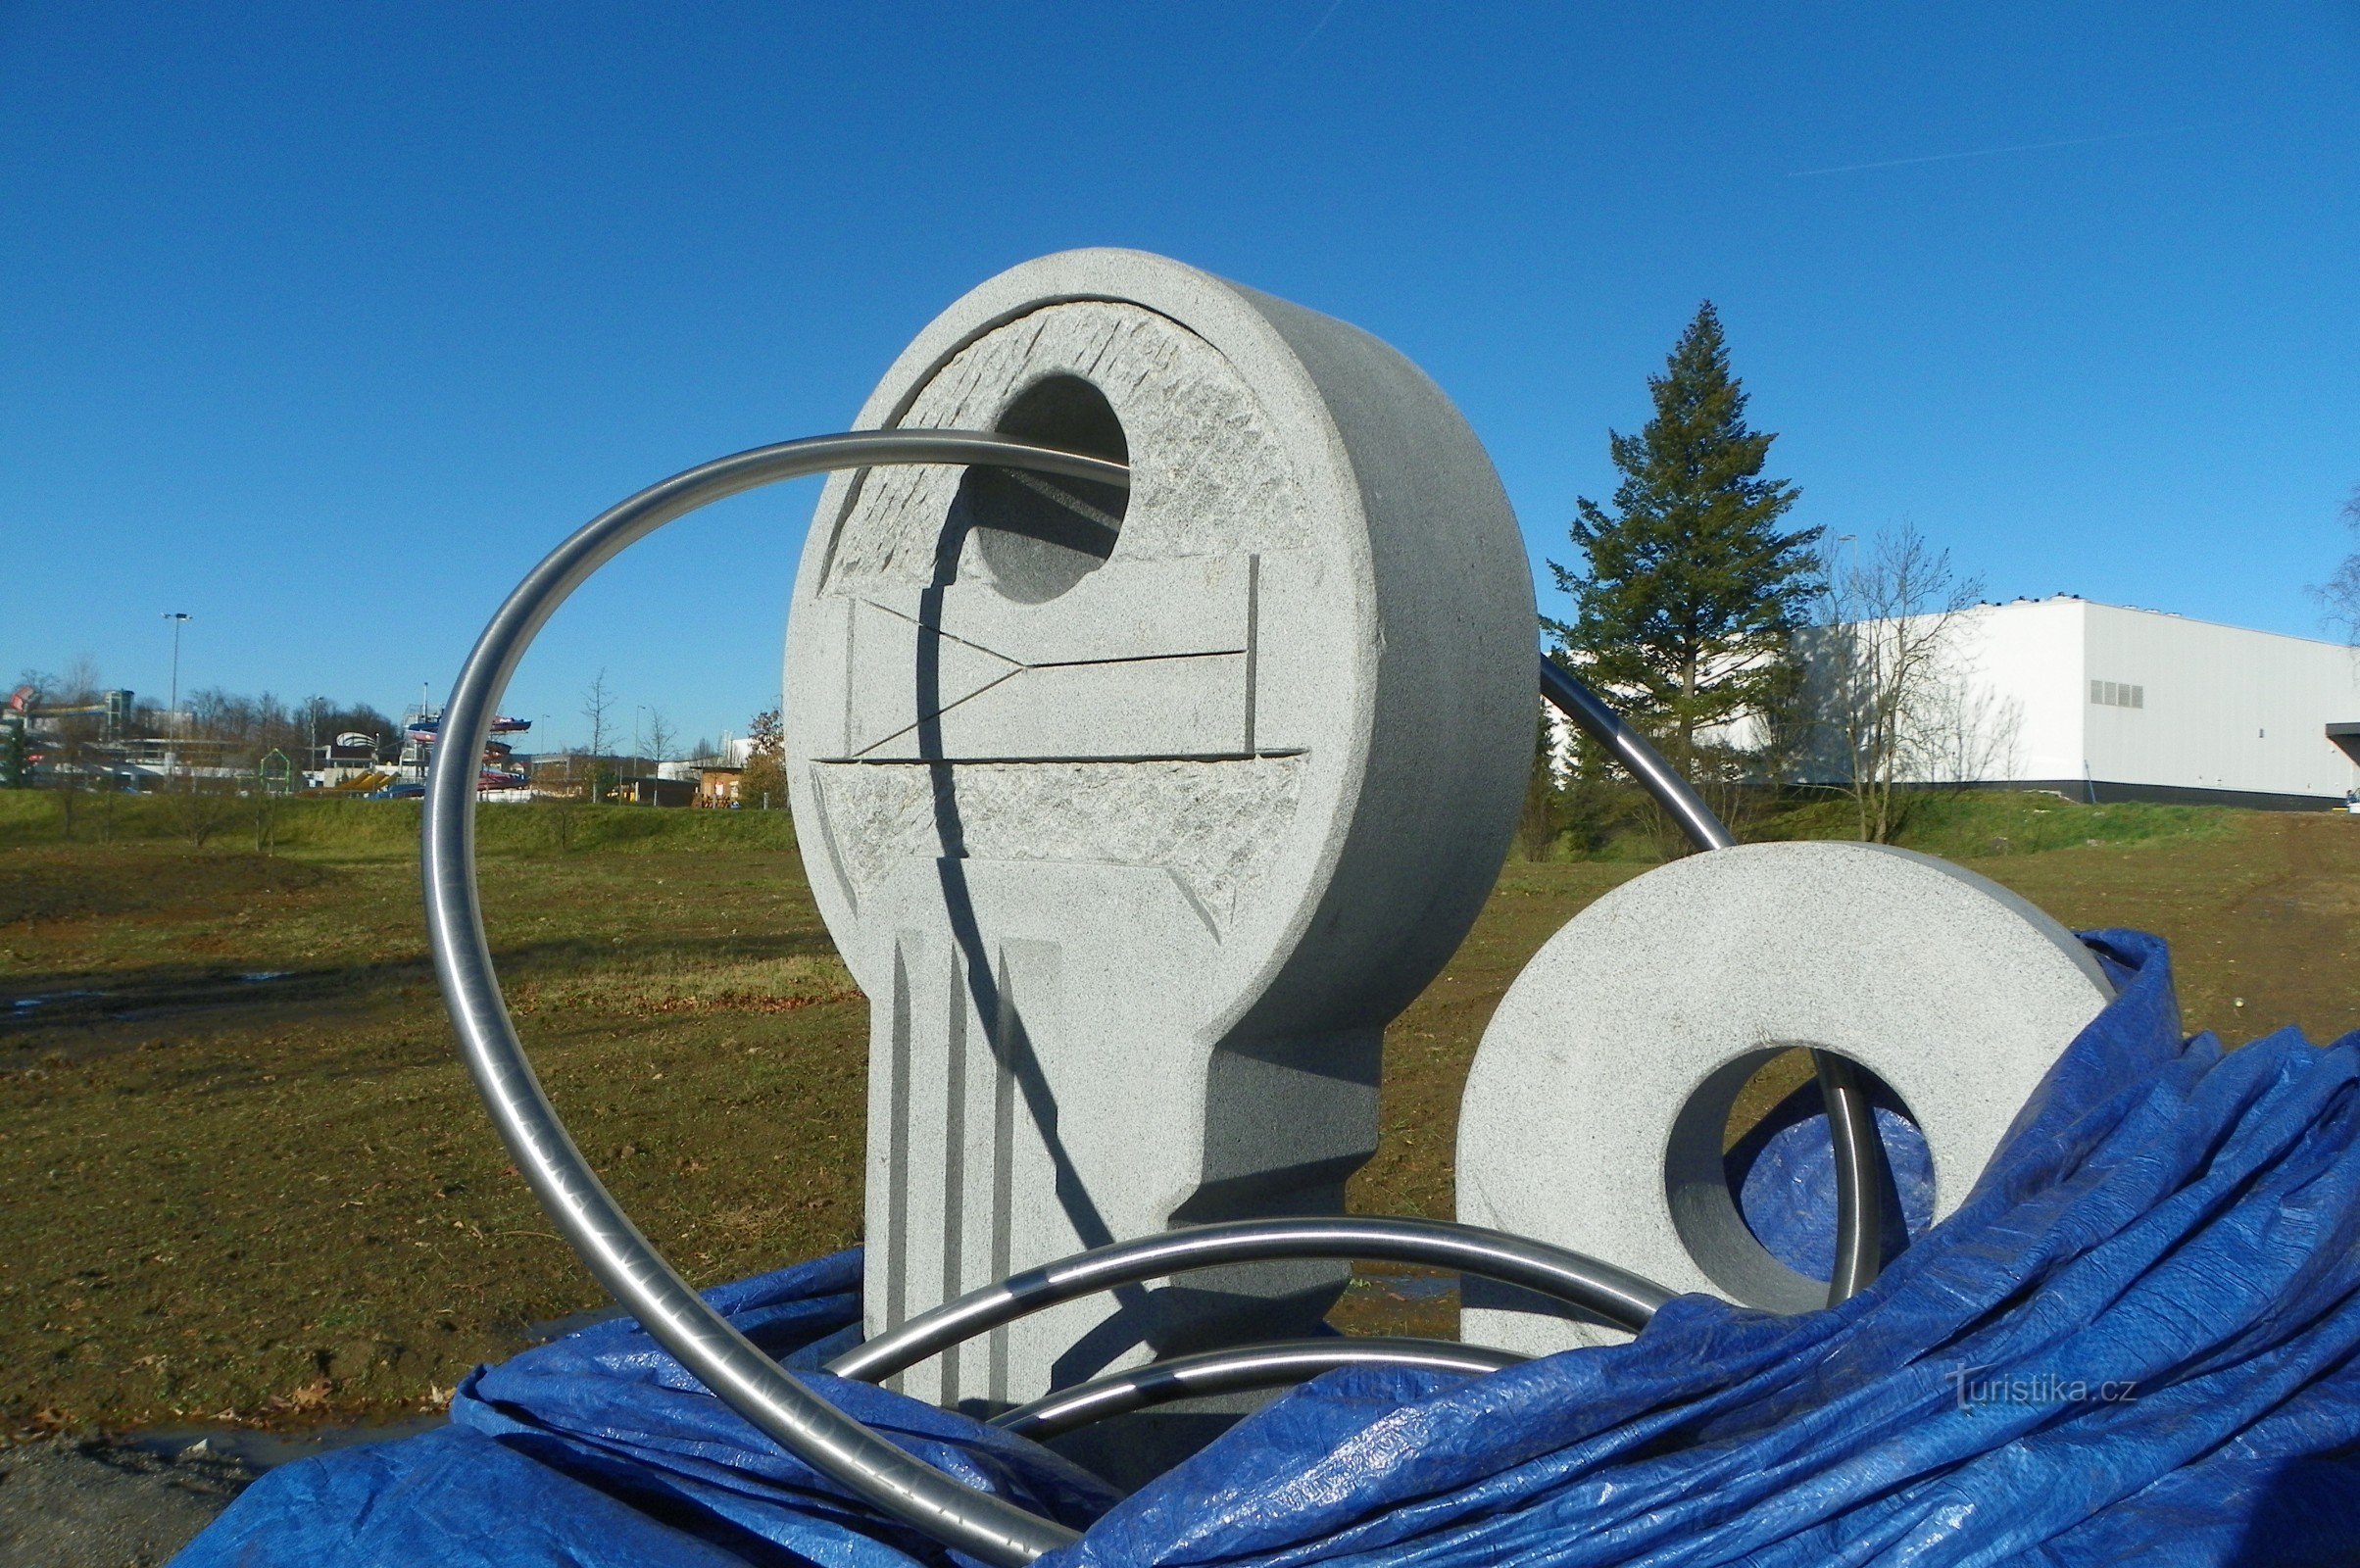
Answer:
[(178, 619)]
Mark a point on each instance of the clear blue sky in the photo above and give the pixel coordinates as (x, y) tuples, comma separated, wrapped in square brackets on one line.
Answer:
[(321, 323)]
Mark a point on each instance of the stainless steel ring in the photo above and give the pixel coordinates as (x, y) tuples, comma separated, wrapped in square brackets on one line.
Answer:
[(623, 1261), (1238, 1371), (835, 1445), (1612, 1294)]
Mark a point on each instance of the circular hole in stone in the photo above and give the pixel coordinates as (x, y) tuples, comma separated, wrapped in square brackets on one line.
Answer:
[(1751, 1174), (1039, 534)]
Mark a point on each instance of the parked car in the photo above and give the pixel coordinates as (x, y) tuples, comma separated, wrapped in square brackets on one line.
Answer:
[(397, 792)]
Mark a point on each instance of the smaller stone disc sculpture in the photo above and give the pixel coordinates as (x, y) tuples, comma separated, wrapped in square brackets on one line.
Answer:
[(1595, 1112)]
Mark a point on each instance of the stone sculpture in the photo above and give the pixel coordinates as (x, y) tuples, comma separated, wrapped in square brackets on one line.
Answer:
[(1137, 816), (1594, 1112)]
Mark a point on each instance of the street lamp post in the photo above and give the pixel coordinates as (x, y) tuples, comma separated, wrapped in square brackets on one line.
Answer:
[(178, 619)]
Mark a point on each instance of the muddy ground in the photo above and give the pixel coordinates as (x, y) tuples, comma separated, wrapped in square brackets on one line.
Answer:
[(245, 1183)]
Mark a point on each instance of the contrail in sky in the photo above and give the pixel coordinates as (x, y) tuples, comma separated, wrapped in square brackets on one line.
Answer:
[(1985, 152), (1270, 91), (1317, 28)]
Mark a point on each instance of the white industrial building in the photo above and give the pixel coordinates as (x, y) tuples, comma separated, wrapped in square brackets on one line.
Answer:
[(2104, 703)]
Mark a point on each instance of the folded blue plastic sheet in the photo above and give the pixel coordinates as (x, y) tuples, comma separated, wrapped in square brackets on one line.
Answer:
[(1784, 1173), (600, 1450), (2134, 1343)]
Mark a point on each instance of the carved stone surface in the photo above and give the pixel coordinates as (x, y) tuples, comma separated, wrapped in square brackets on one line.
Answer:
[(1595, 1111), (1138, 817)]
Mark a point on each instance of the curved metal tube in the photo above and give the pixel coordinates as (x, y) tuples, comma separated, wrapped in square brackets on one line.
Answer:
[(1663, 782), (633, 1271), (1615, 1295), (1859, 1151), (602, 1234), (1860, 1172), (1238, 1371)]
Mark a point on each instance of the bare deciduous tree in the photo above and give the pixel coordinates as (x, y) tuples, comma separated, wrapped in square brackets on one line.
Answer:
[(68, 744), (1885, 691), (596, 699), (81, 681), (243, 729), (2340, 594), (205, 804), (1969, 731)]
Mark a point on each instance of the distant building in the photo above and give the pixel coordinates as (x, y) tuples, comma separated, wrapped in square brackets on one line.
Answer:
[(566, 775), (717, 784), (2103, 702), (344, 760), (652, 791)]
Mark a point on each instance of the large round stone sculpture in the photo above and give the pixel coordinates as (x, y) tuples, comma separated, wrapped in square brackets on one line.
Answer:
[(1595, 1112), (1137, 816)]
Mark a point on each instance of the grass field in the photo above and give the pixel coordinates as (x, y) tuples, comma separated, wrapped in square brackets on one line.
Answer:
[(244, 1179)]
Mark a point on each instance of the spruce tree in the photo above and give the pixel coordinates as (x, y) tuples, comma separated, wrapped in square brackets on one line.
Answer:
[(1689, 593)]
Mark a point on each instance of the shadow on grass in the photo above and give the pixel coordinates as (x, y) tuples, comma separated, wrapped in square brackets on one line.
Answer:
[(65, 1012)]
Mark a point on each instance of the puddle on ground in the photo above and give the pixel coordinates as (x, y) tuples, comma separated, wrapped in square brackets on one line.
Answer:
[(147, 1002), (557, 1328), (266, 1450), (25, 1004), (1421, 1306)]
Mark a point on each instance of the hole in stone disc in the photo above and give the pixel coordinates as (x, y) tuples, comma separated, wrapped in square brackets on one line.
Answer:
[(1749, 1171), (1039, 534)]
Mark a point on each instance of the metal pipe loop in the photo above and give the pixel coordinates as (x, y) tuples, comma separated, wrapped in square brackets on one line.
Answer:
[(1237, 1371), (1614, 1294), (639, 1279), (622, 1260), (1859, 1152)]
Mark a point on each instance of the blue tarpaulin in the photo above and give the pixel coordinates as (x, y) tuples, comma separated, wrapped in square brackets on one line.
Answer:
[(2134, 1342), (1784, 1173)]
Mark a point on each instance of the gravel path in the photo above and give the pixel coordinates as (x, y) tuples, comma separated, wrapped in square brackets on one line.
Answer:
[(77, 1504)]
